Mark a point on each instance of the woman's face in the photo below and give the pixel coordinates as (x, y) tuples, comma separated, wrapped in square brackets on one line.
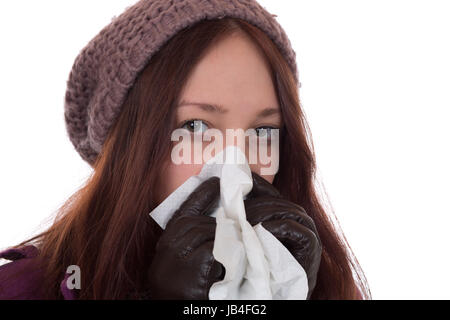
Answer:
[(234, 76)]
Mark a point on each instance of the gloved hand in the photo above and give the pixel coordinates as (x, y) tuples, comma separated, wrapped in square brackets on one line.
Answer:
[(183, 266), (288, 222)]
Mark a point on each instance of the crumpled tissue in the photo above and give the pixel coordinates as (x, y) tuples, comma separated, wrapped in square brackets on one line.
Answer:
[(257, 265)]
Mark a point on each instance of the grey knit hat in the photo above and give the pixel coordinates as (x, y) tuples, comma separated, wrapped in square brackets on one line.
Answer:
[(107, 67)]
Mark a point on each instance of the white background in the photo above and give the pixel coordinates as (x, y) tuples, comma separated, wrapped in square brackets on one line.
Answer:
[(375, 88)]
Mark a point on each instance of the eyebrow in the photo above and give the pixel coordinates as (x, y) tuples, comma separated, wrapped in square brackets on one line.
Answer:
[(210, 107)]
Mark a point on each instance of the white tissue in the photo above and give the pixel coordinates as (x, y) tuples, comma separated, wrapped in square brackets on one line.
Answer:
[(257, 265)]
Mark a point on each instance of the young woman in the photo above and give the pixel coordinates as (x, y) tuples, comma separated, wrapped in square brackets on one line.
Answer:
[(159, 66)]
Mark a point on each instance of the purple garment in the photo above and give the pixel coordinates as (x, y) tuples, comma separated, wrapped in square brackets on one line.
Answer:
[(27, 286)]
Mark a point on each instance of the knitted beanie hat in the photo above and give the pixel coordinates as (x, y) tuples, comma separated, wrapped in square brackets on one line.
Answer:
[(107, 67)]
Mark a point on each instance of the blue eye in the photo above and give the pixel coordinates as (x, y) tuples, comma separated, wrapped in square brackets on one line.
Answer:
[(195, 125)]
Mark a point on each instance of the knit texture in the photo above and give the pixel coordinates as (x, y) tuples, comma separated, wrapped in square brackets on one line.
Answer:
[(107, 67)]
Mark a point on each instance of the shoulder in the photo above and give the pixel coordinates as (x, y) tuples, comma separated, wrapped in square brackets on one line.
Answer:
[(21, 278)]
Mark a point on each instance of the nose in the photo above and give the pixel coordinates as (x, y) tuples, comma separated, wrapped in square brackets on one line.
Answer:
[(221, 139), (236, 137)]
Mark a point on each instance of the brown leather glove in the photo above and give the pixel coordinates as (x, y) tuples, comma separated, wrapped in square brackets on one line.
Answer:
[(183, 266), (288, 222)]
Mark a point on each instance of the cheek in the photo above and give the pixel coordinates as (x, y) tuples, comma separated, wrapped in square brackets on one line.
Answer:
[(174, 176), (266, 167), (269, 178), (257, 169)]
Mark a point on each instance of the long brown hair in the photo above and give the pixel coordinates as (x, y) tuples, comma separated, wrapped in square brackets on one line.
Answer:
[(105, 227)]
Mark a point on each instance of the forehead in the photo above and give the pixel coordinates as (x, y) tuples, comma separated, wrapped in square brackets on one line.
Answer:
[(233, 73)]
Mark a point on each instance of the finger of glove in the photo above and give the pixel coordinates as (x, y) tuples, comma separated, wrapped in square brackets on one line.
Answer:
[(266, 208), (184, 267), (211, 270), (301, 242), (205, 270), (201, 200), (187, 233), (200, 271), (195, 238), (184, 278), (261, 187)]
